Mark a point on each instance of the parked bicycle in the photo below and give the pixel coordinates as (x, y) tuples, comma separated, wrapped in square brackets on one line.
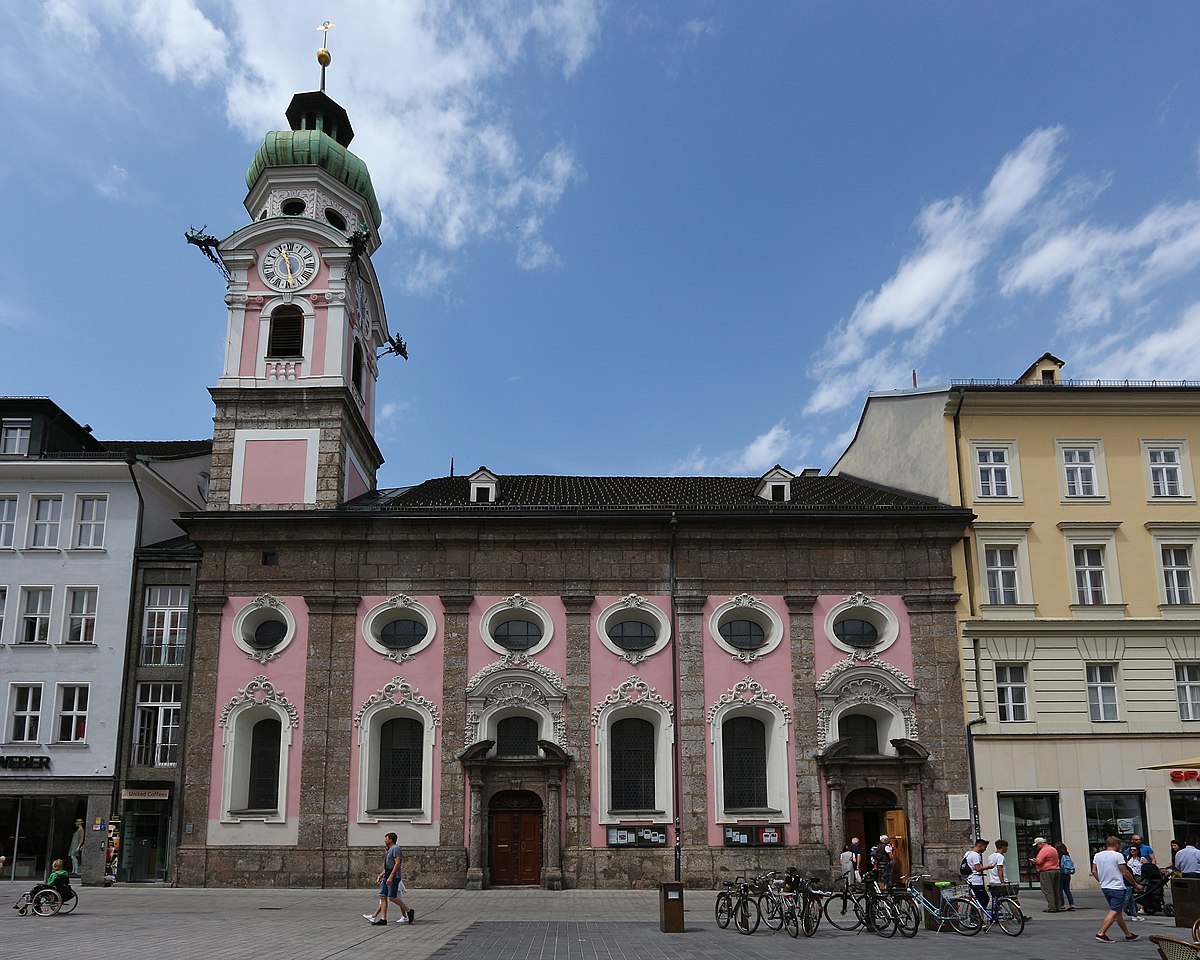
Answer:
[(953, 910), (813, 899), (778, 902), (839, 904), (1003, 911)]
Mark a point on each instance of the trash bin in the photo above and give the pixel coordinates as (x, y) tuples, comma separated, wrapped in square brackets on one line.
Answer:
[(1185, 895), (932, 892), (670, 907)]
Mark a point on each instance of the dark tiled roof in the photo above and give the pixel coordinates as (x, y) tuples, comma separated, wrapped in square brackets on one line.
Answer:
[(715, 494), (160, 448)]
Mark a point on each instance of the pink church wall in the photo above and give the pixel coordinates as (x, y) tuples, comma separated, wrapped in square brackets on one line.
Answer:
[(287, 672), (899, 654), (609, 671), (373, 671), (274, 471), (356, 483), (774, 672)]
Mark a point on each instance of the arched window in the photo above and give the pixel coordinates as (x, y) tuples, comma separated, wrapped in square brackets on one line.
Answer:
[(862, 732), (631, 764), (286, 337), (356, 368), (262, 791), (744, 761), (517, 737), (401, 752)]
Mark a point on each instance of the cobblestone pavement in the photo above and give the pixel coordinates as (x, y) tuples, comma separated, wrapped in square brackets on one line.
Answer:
[(144, 922)]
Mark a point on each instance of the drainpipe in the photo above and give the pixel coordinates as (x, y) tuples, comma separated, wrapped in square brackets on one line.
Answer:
[(971, 777), (676, 758)]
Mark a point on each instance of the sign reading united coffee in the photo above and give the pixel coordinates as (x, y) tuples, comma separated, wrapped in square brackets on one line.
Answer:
[(24, 763)]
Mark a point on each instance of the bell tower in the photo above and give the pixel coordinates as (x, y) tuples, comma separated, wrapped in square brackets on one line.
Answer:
[(295, 404)]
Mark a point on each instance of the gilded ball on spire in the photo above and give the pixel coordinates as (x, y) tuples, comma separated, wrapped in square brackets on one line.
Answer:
[(323, 57)]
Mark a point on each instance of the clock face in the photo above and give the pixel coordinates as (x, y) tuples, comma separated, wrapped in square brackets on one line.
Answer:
[(289, 265)]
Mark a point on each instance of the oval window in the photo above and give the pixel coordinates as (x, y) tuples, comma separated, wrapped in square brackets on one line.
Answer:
[(335, 219), (856, 633), (402, 633), (292, 207), (268, 634), (633, 635), (743, 634), (517, 634)]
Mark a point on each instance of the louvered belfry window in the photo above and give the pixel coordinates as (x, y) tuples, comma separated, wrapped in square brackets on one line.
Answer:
[(517, 737), (744, 759), (263, 788), (632, 764), (400, 757), (286, 337)]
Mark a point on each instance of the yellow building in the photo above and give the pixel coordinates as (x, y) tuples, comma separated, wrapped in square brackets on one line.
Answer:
[(1080, 602)]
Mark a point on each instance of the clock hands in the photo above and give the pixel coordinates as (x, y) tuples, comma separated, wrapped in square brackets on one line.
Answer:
[(287, 259)]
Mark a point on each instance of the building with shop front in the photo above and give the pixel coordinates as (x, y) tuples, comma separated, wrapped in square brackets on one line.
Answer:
[(73, 511), (1079, 615), (530, 679)]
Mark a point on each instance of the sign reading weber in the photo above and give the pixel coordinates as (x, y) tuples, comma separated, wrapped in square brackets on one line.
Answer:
[(24, 763)]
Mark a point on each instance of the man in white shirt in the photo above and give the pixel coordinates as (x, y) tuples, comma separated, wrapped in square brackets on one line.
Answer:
[(996, 877), (1108, 866), (1187, 859), (976, 878)]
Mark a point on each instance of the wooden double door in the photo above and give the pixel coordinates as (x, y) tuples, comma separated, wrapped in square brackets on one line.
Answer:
[(868, 824), (515, 847)]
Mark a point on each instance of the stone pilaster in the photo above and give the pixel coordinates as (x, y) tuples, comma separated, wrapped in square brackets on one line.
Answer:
[(804, 734), (454, 726), (580, 740), (691, 727), (475, 851), (552, 875)]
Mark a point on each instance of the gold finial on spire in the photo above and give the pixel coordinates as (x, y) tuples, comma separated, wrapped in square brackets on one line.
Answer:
[(323, 57)]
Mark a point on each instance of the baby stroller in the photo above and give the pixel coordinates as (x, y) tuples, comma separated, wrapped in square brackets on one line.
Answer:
[(1150, 897), (46, 900)]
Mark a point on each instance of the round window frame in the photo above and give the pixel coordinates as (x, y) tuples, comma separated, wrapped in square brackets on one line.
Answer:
[(862, 607), (252, 615), (637, 608), (383, 613), (516, 608), (746, 607)]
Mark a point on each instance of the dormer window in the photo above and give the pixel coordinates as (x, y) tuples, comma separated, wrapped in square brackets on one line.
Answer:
[(484, 486), (776, 485), (286, 337), (14, 437)]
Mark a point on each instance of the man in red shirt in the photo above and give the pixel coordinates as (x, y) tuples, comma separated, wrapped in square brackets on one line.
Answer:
[(1045, 862)]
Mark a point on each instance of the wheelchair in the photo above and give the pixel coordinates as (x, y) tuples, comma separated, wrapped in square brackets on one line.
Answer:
[(46, 901)]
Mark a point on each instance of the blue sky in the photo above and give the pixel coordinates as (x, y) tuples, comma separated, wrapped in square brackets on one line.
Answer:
[(624, 237)]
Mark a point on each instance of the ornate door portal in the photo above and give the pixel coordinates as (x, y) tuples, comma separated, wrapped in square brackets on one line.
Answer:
[(515, 839)]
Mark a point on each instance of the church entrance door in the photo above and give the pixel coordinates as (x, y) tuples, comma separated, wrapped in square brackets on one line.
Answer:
[(515, 839)]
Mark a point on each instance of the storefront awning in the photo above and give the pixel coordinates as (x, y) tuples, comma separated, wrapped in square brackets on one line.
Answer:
[(1192, 764)]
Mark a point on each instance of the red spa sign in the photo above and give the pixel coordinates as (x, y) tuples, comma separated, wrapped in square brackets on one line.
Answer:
[(1179, 776)]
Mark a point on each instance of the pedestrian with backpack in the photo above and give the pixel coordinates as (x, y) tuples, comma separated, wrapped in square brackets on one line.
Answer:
[(1066, 870), (972, 869)]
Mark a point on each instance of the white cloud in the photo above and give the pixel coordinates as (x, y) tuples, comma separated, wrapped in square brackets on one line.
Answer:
[(428, 275), (111, 183), (1165, 355), (776, 445), (892, 328), (183, 43)]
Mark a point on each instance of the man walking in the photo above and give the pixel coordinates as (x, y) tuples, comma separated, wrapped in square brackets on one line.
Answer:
[(1108, 866), (389, 885), (976, 879), (996, 877), (1045, 862), (881, 860)]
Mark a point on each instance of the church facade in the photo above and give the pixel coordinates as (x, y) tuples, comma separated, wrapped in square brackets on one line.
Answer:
[(559, 681)]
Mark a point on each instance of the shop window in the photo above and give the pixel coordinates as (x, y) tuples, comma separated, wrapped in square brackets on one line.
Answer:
[(1185, 817), (1024, 817), (1112, 815)]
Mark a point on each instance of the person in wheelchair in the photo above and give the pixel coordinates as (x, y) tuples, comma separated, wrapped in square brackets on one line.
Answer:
[(59, 881)]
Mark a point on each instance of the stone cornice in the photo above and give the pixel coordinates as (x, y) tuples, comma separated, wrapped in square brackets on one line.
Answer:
[(1071, 627)]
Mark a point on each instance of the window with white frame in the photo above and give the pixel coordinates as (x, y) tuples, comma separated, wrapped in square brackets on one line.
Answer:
[(8, 521), (750, 755), (1091, 553), (14, 437), (164, 626), (156, 724), (401, 759), (81, 615), (1102, 691), (634, 733), (89, 523), (1177, 574), (396, 757), (1081, 465), (3, 604), (26, 712), (1089, 574), (72, 713), (1002, 554), (1000, 565), (744, 763), (1012, 694), (1187, 684), (45, 516), (1168, 470), (994, 470), (35, 615)]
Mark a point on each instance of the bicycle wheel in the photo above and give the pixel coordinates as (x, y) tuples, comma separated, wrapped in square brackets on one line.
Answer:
[(966, 916), (746, 916), (908, 917), (1010, 917), (839, 910), (46, 902), (771, 911), (812, 917), (791, 920), (724, 909), (886, 921)]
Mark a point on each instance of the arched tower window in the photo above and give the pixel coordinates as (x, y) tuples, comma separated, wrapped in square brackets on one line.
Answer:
[(632, 764), (401, 750), (263, 783), (286, 337), (356, 368), (744, 759)]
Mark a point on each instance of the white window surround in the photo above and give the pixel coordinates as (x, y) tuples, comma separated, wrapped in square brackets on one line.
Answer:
[(32, 722), (859, 606), (749, 698), (1006, 682), (14, 436), (1102, 535), (637, 608), (42, 614), (485, 486), (1101, 679), (516, 607), (241, 437), (88, 613), (76, 712), (90, 525), (45, 528), (746, 607), (990, 535), (1187, 536), (399, 607), (237, 722), (1013, 463), (515, 686), (1188, 492), (1187, 687), (395, 699), (264, 335), (777, 478), (256, 612), (8, 522), (1081, 468), (635, 698)]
